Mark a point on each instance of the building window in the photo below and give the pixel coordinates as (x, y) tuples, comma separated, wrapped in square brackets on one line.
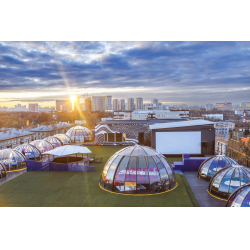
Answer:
[(118, 137)]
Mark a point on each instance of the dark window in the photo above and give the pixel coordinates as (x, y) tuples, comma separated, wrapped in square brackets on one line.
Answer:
[(118, 137), (106, 137), (111, 137)]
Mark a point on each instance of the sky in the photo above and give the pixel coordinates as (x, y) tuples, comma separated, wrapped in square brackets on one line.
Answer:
[(193, 73)]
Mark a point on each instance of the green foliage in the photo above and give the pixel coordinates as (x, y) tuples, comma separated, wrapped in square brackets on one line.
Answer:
[(19, 119)]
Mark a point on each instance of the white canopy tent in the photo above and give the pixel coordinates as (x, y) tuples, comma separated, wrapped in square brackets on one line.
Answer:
[(68, 150)]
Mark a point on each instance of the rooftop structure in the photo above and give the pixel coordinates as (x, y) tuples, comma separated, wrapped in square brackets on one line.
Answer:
[(227, 180), (42, 145), (212, 165), (240, 197), (151, 114), (138, 170), (12, 159), (79, 134), (29, 151), (63, 138), (54, 141), (11, 133)]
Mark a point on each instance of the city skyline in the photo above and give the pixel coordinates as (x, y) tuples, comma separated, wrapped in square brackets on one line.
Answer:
[(194, 73)]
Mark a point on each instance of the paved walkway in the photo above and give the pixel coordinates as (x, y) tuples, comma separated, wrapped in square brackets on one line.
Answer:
[(12, 175), (199, 189)]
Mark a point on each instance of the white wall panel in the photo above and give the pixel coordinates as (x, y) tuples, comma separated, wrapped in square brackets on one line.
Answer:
[(178, 142)]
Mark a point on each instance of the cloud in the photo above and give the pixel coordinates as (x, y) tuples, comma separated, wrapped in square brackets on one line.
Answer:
[(171, 71)]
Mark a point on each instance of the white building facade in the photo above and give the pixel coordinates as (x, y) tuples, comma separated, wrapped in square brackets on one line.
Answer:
[(215, 117), (151, 114)]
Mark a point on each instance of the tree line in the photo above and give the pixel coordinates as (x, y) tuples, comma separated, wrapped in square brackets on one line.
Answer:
[(32, 119)]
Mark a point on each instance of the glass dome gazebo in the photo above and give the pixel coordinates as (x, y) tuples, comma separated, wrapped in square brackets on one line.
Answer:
[(3, 173), (79, 134), (42, 145), (227, 180), (29, 151), (12, 159), (54, 141), (63, 138), (212, 165), (138, 170), (240, 197)]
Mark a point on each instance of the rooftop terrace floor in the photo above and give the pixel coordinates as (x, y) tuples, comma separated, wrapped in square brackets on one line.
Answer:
[(81, 189), (199, 189)]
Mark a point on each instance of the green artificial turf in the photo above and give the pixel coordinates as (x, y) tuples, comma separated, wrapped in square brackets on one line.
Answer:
[(82, 189)]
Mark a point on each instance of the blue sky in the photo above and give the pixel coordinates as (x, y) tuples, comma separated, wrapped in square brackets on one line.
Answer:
[(173, 72)]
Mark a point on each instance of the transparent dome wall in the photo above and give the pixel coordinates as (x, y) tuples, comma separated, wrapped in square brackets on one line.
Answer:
[(12, 159), (240, 197), (54, 141), (29, 151), (227, 180), (79, 134), (2, 171), (137, 170), (63, 138), (212, 165), (42, 145)]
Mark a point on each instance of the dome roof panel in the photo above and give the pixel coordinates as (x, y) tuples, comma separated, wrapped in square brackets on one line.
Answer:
[(240, 197), (12, 159), (133, 170), (212, 165), (79, 134), (227, 180)]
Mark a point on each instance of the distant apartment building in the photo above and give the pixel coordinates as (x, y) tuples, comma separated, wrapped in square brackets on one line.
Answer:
[(115, 104), (151, 114), (130, 104), (101, 103), (148, 106), (139, 103), (108, 102), (223, 105), (98, 103), (63, 105), (33, 107), (76, 104), (4, 108), (66, 107), (122, 105), (155, 103), (87, 104), (222, 130), (209, 106), (243, 104), (214, 117), (231, 125), (248, 105), (221, 145)]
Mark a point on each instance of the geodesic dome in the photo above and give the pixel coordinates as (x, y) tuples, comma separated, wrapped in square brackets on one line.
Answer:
[(138, 170), (29, 151), (42, 145), (227, 180), (79, 134), (2, 170), (54, 141), (63, 138), (12, 159), (240, 197), (212, 165)]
